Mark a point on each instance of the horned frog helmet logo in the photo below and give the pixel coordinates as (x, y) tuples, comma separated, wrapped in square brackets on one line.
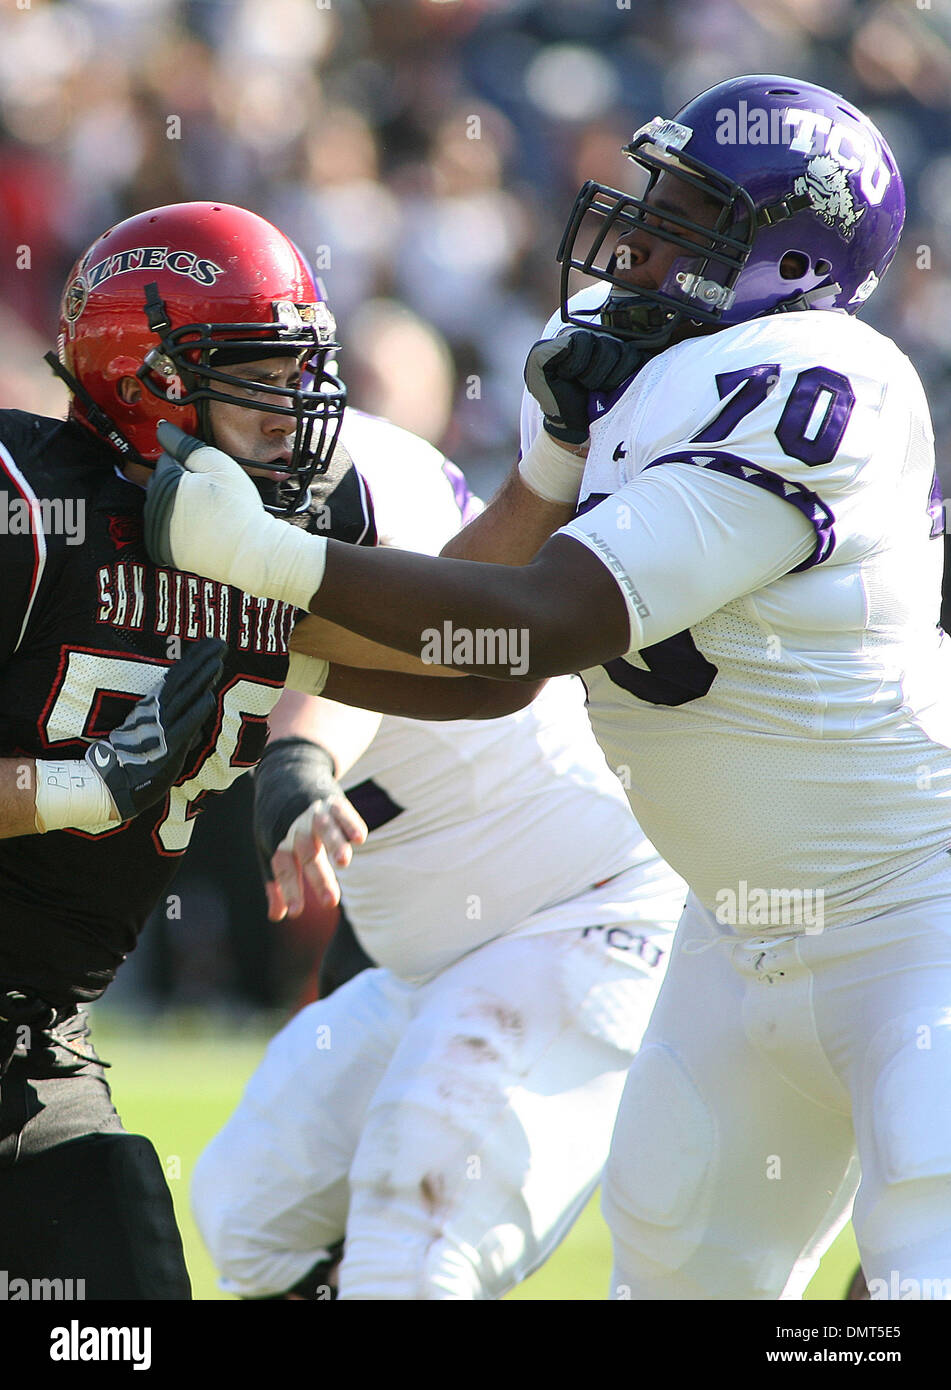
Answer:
[(826, 185)]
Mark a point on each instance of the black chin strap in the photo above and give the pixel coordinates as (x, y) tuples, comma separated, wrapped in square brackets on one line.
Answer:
[(156, 312), (806, 299), (97, 417), (786, 207)]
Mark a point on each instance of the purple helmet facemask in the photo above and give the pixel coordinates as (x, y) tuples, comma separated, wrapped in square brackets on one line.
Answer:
[(806, 207)]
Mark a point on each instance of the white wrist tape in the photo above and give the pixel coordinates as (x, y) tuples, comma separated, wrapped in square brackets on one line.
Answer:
[(72, 795), (551, 471), (283, 563), (219, 528), (308, 674)]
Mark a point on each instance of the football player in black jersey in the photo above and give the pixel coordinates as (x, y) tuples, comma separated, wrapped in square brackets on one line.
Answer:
[(129, 691)]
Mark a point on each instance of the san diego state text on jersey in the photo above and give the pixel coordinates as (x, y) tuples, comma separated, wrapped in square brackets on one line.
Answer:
[(85, 631)]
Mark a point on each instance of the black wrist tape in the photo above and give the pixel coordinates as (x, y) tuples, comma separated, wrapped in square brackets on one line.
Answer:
[(292, 774)]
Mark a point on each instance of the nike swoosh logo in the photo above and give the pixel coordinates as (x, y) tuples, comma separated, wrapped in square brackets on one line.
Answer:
[(100, 756)]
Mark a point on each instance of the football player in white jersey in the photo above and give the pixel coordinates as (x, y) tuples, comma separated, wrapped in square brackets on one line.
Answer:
[(751, 590), (451, 1111)]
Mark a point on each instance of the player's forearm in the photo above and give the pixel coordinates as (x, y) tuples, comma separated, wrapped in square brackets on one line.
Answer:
[(428, 607), (416, 697), (562, 613), (17, 797), (327, 641), (345, 732), (512, 529)]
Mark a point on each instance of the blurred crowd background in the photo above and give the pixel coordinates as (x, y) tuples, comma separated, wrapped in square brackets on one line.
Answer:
[(425, 155)]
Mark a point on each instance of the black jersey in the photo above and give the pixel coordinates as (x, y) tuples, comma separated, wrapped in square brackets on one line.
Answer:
[(88, 624)]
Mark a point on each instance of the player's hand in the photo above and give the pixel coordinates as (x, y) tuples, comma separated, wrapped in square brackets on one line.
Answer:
[(204, 503), (304, 825), (204, 514), (144, 756), (320, 840), (560, 373)]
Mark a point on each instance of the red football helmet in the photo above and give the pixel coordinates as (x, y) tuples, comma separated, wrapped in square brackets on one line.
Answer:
[(171, 296)]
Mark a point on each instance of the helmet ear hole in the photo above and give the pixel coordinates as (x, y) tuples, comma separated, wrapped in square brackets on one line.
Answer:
[(794, 265)]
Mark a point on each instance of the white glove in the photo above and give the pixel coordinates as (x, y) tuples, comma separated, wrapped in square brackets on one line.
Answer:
[(207, 518)]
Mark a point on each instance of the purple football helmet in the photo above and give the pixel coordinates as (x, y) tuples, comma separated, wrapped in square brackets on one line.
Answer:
[(811, 207)]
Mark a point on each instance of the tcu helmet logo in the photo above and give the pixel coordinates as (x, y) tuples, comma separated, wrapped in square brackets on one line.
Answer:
[(826, 184), (843, 147)]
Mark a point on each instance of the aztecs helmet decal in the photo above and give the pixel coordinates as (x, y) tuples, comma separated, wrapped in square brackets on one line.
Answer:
[(806, 208), (173, 297), (74, 300)]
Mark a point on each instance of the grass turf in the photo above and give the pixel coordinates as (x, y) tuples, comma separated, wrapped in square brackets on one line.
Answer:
[(177, 1080)]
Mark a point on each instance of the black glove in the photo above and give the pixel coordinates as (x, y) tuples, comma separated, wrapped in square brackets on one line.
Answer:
[(143, 757), (293, 773), (561, 372)]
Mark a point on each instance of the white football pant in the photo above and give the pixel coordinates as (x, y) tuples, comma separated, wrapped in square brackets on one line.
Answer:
[(765, 1068), (453, 1131)]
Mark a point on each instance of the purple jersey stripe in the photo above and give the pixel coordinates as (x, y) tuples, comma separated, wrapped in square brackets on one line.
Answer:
[(590, 501), (373, 803), (812, 507), (936, 508), (467, 504)]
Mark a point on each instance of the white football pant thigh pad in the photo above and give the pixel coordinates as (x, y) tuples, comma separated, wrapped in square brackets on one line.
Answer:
[(884, 1007), (662, 1150), (903, 1214), (489, 1131), (270, 1192), (721, 1170)]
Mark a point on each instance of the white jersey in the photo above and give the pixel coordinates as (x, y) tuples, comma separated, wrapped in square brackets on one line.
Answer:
[(783, 715), (481, 828)]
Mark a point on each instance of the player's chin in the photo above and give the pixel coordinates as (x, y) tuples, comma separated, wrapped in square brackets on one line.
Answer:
[(271, 485)]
